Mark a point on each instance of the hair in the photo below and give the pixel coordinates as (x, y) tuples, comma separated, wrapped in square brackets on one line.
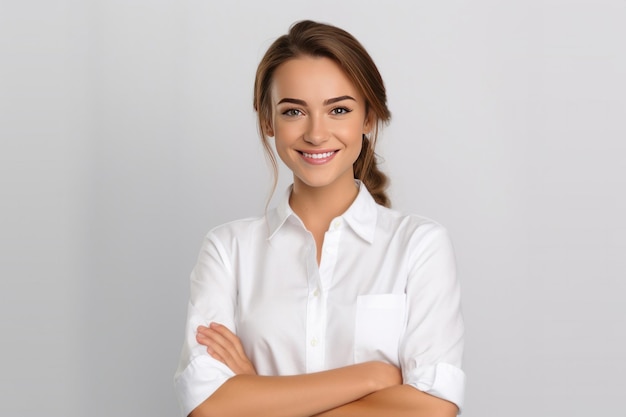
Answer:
[(308, 38)]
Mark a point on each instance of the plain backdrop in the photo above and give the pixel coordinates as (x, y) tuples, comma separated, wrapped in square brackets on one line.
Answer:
[(127, 132)]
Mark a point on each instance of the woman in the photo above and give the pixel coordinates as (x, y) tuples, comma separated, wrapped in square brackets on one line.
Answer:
[(331, 304)]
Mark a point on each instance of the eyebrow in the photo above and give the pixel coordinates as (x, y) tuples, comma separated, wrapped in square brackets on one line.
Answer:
[(326, 102)]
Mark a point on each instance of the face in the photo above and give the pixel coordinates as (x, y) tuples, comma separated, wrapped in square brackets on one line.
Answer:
[(318, 121)]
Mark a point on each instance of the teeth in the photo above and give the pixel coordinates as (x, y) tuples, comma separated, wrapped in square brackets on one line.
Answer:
[(318, 155)]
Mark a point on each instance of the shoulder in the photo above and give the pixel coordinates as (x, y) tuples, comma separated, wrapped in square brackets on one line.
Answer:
[(411, 225), (424, 243), (417, 236), (238, 230)]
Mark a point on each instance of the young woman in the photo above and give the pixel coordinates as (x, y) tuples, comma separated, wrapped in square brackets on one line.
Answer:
[(331, 304)]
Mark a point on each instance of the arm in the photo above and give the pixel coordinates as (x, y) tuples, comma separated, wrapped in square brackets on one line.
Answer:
[(432, 347), (212, 298), (300, 395), (396, 401), (223, 382), (294, 396)]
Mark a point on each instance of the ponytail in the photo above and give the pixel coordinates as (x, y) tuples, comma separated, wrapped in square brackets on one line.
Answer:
[(366, 170)]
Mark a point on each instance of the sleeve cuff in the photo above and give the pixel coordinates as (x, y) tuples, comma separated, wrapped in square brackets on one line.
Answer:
[(441, 380), (198, 381)]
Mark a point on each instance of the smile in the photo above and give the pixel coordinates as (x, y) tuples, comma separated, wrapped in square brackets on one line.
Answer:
[(318, 155), (318, 158)]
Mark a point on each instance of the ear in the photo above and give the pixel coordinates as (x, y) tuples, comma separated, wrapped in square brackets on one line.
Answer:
[(370, 121), (268, 130)]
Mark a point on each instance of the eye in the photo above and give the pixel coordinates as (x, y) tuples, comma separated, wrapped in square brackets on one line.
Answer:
[(292, 112), (340, 110)]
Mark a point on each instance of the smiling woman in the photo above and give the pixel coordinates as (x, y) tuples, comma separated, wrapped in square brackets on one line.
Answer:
[(319, 117), (331, 304)]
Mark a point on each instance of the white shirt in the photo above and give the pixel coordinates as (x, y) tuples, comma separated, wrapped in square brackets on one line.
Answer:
[(385, 289)]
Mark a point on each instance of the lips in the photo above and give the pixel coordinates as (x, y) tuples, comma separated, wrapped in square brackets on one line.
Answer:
[(317, 155), (317, 158)]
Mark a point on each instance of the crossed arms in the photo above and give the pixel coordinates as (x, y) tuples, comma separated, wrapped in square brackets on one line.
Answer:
[(362, 390)]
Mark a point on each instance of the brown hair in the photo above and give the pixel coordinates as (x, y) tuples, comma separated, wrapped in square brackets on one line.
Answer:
[(322, 40)]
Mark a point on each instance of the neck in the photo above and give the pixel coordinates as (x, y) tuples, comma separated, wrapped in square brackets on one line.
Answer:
[(317, 206)]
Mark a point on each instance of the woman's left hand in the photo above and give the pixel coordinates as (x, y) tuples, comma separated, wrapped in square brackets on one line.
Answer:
[(225, 346)]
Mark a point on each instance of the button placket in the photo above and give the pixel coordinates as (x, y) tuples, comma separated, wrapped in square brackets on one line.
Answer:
[(320, 280), (316, 317)]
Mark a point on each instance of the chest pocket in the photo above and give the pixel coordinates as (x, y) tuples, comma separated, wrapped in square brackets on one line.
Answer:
[(379, 324)]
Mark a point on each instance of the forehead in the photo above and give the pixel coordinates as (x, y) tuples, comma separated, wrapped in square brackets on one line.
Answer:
[(311, 79)]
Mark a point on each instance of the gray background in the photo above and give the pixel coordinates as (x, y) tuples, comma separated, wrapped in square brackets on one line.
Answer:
[(127, 132)]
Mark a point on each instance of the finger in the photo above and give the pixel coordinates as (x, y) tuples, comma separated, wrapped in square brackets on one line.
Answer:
[(221, 345), (221, 335), (232, 338), (203, 335), (229, 340), (229, 346), (206, 341), (202, 329), (202, 339), (208, 337), (215, 355), (216, 351)]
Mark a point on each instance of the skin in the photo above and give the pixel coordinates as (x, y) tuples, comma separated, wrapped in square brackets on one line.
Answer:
[(316, 109), (329, 115)]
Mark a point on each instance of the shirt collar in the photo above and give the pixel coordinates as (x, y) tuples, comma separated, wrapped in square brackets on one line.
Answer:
[(277, 217), (361, 215)]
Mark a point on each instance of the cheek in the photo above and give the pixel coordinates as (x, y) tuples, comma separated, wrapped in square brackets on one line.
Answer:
[(357, 150), (352, 135), (282, 144), (286, 133), (280, 147)]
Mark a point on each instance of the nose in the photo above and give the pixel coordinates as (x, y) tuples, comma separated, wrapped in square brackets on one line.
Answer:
[(317, 131)]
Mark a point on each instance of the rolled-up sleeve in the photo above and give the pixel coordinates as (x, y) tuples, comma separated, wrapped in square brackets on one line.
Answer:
[(212, 299), (432, 347)]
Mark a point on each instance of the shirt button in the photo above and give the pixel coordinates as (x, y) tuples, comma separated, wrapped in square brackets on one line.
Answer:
[(316, 293), (336, 224), (314, 342)]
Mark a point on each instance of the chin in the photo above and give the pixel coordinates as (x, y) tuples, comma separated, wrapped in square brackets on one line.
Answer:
[(319, 181), (316, 184), (313, 181)]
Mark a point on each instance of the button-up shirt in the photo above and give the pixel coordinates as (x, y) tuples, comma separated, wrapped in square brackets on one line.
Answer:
[(385, 289)]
